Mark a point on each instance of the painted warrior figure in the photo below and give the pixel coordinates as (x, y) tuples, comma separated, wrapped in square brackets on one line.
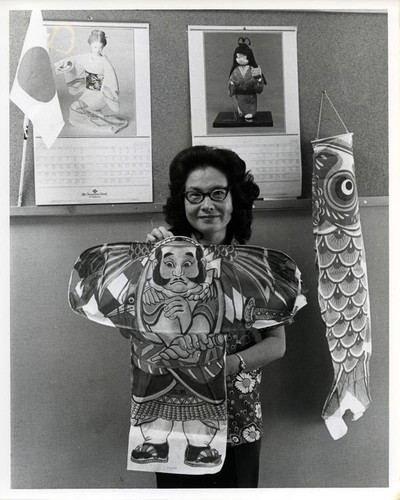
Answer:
[(179, 314), (177, 300)]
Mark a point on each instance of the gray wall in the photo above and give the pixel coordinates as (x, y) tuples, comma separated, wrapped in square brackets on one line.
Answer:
[(70, 381), (342, 53), (70, 378)]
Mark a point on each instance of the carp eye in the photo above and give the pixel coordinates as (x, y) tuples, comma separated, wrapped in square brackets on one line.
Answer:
[(347, 187), (340, 192), (344, 187)]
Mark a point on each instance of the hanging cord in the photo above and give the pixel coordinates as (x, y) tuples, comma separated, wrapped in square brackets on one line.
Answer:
[(324, 94)]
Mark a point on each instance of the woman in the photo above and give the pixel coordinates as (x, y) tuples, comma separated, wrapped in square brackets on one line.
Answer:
[(211, 200), (93, 76)]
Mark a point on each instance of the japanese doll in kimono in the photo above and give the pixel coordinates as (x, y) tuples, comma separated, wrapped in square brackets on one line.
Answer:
[(246, 80), (93, 78)]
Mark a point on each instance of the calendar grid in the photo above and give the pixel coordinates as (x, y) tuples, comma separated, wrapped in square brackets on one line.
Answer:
[(273, 160), (93, 170)]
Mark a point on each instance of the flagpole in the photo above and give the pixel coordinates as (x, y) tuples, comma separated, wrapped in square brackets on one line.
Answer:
[(23, 159)]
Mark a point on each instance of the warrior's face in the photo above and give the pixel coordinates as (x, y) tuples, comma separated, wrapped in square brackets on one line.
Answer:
[(179, 265)]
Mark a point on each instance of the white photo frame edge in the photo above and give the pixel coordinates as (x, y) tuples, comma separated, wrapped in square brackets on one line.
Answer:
[(197, 74)]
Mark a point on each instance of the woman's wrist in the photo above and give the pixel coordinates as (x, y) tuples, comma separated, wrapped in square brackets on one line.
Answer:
[(235, 363), (232, 365), (242, 363)]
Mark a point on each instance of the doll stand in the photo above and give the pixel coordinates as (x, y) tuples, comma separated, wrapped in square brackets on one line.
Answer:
[(231, 119)]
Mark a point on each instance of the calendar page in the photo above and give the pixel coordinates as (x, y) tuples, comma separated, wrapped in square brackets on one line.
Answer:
[(244, 97), (274, 162), (83, 171), (103, 153)]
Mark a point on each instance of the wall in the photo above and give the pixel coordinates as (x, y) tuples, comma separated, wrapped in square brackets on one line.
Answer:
[(70, 377), (342, 53)]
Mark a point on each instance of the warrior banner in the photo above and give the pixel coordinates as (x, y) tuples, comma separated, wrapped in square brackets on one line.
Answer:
[(176, 300)]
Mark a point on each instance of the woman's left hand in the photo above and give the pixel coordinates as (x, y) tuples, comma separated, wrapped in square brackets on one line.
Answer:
[(158, 234)]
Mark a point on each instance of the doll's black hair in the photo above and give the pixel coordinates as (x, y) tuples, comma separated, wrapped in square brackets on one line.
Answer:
[(244, 48)]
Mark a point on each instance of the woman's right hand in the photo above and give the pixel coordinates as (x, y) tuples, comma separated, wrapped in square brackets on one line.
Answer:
[(158, 234)]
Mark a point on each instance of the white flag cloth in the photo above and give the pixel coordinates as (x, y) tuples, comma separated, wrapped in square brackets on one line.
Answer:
[(34, 89)]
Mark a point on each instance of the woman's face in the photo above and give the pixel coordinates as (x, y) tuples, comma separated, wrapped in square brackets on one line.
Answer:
[(96, 48), (208, 217)]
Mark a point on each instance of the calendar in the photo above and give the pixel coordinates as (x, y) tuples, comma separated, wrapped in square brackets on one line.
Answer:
[(84, 171), (103, 153), (274, 162), (251, 107)]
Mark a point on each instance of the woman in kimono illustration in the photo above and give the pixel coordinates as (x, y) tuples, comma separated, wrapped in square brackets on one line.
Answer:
[(246, 80), (93, 77)]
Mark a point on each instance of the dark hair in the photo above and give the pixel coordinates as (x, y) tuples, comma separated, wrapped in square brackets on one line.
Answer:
[(243, 48), (242, 188), (97, 36)]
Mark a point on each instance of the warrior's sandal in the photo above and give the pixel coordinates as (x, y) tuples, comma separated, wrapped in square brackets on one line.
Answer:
[(147, 453), (202, 457)]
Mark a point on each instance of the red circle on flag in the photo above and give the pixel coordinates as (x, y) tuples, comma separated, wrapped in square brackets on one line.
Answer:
[(35, 74)]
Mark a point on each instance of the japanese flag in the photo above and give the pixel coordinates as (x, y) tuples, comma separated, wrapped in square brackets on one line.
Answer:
[(34, 89)]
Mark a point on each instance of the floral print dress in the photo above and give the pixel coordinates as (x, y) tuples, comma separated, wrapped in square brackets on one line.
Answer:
[(243, 396)]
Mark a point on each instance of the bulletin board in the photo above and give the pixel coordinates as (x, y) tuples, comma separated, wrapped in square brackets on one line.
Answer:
[(344, 53)]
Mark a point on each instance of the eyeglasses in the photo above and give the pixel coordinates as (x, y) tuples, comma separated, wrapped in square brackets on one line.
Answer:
[(196, 197)]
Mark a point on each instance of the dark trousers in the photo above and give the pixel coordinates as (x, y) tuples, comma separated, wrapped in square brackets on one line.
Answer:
[(240, 470)]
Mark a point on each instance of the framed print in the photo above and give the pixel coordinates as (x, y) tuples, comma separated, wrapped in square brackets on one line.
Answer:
[(244, 97), (103, 153)]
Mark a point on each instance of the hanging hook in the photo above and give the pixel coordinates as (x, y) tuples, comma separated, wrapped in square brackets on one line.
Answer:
[(325, 94)]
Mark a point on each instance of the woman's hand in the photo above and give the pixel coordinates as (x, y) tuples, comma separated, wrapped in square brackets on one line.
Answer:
[(158, 234), (63, 66)]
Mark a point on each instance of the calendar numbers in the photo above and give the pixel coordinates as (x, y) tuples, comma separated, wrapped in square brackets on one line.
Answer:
[(273, 160), (104, 170)]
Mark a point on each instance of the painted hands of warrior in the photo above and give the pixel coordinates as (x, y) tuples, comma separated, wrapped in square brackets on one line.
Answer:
[(188, 346)]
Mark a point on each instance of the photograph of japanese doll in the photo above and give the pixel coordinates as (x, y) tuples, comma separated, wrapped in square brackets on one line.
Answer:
[(244, 83), (246, 80)]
